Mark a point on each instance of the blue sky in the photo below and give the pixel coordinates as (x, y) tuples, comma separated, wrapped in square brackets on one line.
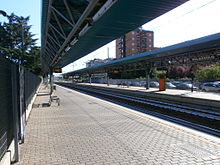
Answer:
[(191, 20), (24, 8)]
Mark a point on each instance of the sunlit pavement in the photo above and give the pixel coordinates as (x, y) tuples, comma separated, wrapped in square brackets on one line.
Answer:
[(86, 130)]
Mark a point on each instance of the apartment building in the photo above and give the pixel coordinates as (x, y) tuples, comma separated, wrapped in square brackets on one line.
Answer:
[(134, 42)]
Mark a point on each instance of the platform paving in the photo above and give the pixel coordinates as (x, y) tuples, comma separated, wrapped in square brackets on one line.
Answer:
[(43, 96), (85, 130)]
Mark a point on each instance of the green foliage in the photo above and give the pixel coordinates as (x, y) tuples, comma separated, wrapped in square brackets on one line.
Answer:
[(133, 74), (17, 43), (209, 73), (127, 75), (179, 71), (158, 73), (33, 62)]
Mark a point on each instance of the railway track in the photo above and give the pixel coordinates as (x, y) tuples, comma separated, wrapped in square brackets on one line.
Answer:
[(196, 118)]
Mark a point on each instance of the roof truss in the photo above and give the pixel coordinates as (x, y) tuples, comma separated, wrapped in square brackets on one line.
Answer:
[(91, 23)]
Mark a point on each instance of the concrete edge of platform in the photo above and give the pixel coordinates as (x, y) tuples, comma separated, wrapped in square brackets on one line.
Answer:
[(212, 104), (30, 106), (191, 100), (6, 160), (156, 119), (9, 155), (43, 97)]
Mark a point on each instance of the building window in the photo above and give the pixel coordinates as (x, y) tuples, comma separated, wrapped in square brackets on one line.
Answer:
[(132, 44), (132, 38), (150, 46)]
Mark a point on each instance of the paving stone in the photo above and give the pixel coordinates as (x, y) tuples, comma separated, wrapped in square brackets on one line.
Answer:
[(84, 130)]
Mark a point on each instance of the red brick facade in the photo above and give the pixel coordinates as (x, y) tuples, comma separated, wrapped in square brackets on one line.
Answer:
[(134, 42)]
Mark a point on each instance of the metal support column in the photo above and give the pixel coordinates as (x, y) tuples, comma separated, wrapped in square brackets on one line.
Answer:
[(90, 78), (51, 82), (22, 112), (192, 69), (15, 104), (107, 76), (147, 78), (192, 81)]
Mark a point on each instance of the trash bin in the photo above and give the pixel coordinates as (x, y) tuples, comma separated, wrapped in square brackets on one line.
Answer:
[(54, 87), (162, 86)]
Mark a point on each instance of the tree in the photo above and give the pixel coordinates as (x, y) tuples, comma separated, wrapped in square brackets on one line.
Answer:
[(208, 73), (33, 62), (17, 43), (179, 71)]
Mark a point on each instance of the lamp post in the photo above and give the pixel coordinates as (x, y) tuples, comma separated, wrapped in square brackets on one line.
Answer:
[(3, 13), (22, 38)]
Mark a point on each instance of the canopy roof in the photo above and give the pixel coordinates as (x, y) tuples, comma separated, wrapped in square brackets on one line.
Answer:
[(73, 28), (192, 51)]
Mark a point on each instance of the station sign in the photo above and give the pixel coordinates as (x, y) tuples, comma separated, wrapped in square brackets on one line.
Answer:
[(115, 71), (57, 70)]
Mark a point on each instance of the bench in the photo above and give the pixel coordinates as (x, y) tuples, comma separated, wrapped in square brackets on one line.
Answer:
[(55, 98)]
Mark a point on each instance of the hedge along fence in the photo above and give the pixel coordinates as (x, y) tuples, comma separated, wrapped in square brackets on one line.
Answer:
[(17, 88)]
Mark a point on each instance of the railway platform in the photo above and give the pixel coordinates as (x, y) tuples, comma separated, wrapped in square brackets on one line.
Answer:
[(87, 130), (173, 92), (200, 98)]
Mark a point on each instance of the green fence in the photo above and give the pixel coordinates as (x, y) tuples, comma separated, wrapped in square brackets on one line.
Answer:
[(6, 109), (17, 88)]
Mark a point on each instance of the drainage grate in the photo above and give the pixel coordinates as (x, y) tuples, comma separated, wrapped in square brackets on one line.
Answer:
[(197, 151)]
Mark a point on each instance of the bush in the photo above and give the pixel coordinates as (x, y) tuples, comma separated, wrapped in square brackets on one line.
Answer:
[(161, 74), (208, 73)]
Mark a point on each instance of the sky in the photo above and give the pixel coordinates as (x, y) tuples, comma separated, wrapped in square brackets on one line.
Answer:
[(194, 19), (24, 8)]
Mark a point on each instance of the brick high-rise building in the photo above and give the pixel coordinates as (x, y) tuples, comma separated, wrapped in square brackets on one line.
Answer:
[(134, 42)]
